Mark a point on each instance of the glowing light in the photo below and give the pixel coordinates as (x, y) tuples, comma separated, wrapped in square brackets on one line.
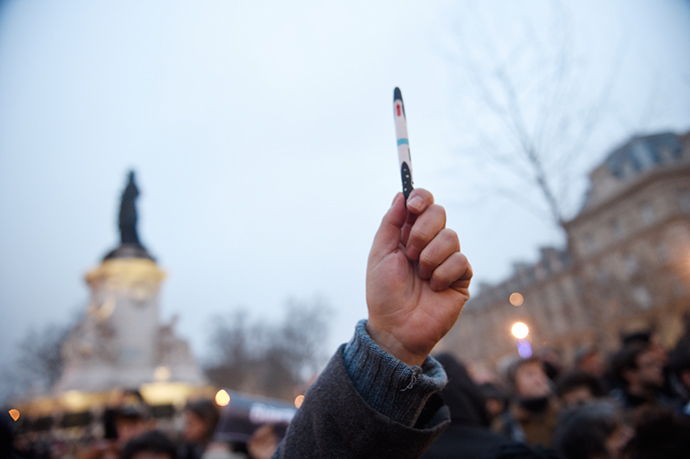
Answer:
[(14, 414), (75, 400), (161, 373), (164, 392), (520, 330), (222, 397), (298, 401), (516, 299), (524, 348)]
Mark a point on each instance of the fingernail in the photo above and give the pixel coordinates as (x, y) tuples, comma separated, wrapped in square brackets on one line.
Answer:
[(415, 203)]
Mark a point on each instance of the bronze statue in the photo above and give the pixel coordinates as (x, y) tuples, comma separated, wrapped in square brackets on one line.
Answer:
[(130, 246), (128, 213)]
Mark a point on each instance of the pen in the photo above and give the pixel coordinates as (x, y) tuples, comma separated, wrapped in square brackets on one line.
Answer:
[(403, 143)]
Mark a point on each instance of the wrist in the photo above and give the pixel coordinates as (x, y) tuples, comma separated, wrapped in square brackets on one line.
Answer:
[(388, 385), (387, 342)]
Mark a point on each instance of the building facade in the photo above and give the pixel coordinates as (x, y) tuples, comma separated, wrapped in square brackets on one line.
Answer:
[(626, 266)]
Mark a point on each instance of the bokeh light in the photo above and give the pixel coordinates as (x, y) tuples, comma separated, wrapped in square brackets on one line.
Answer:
[(161, 373), (222, 397), (516, 299), (14, 414), (520, 330), (524, 348), (298, 401)]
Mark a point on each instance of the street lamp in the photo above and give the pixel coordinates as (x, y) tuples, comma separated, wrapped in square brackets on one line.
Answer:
[(520, 332)]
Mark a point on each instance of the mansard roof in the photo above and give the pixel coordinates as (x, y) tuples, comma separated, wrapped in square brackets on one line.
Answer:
[(637, 157), (644, 152)]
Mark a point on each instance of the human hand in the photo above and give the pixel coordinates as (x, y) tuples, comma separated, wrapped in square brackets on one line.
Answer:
[(417, 278)]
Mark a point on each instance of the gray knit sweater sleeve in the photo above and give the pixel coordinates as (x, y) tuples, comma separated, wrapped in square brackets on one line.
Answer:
[(367, 404), (388, 385)]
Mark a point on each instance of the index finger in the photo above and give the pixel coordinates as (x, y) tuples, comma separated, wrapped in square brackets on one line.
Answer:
[(418, 201), (425, 228)]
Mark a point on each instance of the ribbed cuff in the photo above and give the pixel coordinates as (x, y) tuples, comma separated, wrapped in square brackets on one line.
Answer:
[(388, 385)]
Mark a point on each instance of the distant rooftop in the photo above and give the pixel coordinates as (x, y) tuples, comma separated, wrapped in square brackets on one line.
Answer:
[(644, 152), (640, 154)]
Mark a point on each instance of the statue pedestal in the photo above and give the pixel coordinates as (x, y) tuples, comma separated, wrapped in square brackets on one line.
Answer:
[(120, 342)]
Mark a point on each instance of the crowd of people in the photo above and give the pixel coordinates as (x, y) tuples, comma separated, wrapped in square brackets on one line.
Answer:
[(632, 403), (383, 396), (131, 431)]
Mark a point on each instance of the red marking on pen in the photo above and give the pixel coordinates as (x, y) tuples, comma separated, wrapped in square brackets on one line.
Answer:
[(403, 143)]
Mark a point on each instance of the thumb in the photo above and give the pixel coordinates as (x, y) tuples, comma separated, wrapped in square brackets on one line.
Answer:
[(387, 237)]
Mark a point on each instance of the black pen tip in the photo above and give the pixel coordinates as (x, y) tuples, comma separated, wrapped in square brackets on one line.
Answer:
[(397, 95)]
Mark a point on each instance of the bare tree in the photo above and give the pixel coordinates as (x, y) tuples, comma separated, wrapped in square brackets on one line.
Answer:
[(269, 359), (536, 104), (226, 366), (533, 106), (38, 363)]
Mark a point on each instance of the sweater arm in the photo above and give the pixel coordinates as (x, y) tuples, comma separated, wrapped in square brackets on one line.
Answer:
[(388, 385), (366, 403)]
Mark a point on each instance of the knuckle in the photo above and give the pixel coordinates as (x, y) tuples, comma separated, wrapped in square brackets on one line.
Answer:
[(418, 237), (467, 274), (451, 234), (439, 211), (460, 260), (451, 238), (439, 281), (426, 262)]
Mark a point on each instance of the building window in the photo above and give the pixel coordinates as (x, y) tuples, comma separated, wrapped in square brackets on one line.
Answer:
[(628, 170), (684, 201), (589, 243), (603, 276), (617, 228), (648, 214), (630, 264)]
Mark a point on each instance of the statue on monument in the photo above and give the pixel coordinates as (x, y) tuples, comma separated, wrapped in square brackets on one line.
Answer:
[(120, 341), (130, 245), (128, 213)]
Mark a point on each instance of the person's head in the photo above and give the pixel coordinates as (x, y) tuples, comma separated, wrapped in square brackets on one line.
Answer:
[(659, 433), (201, 419), (638, 367), (592, 431), (263, 442), (588, 360), (636, 336), (131, 421), (648, 338), (551, 361), (6, 434), (576, 388), (679, 363), (105, 450), (461, 395), (528, 379), (496, 399), (150, 445)]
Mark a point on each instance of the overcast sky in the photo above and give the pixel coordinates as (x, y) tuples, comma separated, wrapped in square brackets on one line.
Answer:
[(263, 140)]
